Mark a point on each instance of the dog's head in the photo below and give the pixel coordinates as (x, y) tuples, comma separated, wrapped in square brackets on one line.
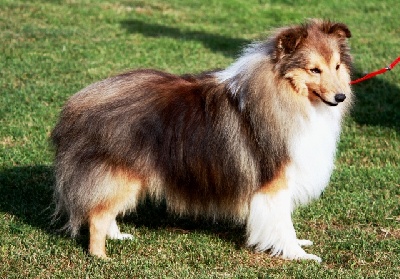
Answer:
[(315, 59)]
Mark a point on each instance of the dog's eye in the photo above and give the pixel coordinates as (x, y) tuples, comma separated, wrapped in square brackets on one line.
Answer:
[(315, 71), (337, 67)]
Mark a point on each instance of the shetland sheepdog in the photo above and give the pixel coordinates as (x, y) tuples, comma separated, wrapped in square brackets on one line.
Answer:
[(248, 143)]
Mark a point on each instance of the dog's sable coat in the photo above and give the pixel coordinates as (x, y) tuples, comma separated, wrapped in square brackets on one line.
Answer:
[(248, 143)]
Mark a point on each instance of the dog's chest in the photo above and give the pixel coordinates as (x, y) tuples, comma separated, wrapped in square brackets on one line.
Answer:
[(312, 151)]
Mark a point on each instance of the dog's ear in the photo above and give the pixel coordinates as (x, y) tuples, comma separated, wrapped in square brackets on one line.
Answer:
[(288, 40), (339, 29)]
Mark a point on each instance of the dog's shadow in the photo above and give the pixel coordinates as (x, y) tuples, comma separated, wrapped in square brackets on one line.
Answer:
[(377, 103), (26, 193), (228, 46), (154, 216)]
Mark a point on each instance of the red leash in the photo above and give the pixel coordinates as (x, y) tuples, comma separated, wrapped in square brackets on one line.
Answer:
[(381, 71)]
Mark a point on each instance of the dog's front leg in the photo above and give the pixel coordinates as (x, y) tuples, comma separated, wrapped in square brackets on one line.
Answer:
[(270, 227)]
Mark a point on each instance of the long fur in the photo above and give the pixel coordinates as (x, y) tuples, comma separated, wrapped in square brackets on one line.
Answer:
[(248, 143)]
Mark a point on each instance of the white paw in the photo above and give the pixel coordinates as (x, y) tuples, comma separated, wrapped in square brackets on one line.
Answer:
[(304, 242), (297, 253), (310, 257), (114, 232), (120, 236)]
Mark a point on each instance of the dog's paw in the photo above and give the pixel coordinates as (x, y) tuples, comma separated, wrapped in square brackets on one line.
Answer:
[(311, 257), (297, 253), (114, 233), (102, 257), (304, 242), (120, 236), (125, 236)]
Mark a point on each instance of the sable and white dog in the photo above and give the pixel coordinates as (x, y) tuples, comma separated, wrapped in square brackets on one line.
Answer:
[(248, 143)]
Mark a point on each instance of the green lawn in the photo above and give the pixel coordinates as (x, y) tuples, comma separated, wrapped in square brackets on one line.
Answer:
[(51, 49)]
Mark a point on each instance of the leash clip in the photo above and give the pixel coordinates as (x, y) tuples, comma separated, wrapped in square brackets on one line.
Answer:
[(388, 68)]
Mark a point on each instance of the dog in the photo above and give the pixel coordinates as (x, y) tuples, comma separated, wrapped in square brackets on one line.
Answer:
[(248, 143)]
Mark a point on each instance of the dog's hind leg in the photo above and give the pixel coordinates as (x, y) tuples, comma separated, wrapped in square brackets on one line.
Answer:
[(122, 194), (100, 220)]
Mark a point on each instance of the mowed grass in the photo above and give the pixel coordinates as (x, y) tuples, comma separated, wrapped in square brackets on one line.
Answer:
[(51, 49)]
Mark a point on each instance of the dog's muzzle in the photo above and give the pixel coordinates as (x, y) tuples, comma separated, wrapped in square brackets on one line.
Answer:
[(339, 97)]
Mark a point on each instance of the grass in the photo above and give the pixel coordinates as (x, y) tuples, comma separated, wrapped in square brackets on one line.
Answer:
[(51, 49)]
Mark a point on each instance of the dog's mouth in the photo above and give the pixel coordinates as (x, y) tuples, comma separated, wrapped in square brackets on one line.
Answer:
[(325, 101)]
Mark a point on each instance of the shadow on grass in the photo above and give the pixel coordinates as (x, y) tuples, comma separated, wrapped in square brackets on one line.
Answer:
[(377, 103), (26, 192), (156, 217), (228, 46)]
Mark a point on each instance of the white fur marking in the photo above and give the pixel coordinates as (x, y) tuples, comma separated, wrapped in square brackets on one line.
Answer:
[(114, 232), (242, 68)]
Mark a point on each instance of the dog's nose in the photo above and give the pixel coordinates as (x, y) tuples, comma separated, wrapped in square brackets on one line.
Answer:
[(340, 97)]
